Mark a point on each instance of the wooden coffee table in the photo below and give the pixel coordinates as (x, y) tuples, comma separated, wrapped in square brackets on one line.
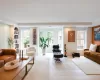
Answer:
[(12, 74), (1, 63)]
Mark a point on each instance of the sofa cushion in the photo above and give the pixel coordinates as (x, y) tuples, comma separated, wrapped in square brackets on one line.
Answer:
[(98, 57), (8, 51), (98, 49), (93, 47), (7, 58)]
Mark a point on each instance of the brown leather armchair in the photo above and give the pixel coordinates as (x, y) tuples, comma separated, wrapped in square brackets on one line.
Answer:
[(8, 55)]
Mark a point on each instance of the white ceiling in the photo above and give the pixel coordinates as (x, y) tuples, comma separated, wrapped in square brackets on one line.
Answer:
[(41, 11)]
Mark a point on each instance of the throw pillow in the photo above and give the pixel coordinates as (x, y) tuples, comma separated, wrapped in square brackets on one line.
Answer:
[(0, 52), (93, 47)]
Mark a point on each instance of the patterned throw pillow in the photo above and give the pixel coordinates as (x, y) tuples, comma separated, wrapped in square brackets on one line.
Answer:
[(0, 52)]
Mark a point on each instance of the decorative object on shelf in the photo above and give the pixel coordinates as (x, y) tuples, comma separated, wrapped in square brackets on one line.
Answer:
[(16, 39), (11, 65), (71, 36), (16, 31), (65, 53), (10, 42), (34, 37)]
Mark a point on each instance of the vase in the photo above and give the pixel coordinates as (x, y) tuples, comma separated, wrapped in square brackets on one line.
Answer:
[(43, 51)]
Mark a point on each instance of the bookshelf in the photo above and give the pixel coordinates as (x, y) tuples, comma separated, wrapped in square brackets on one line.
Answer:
[(16, 39)]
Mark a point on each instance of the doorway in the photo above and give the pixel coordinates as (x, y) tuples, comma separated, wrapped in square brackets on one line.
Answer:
[(55, 34)]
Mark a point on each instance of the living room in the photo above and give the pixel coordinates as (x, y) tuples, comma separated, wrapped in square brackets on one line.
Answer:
[(49, 40)]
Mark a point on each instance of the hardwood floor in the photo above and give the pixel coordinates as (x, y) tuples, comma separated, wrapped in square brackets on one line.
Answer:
[(65, 70)]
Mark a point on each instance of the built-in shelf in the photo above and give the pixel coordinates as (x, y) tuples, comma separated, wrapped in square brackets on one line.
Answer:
[(16, 39)]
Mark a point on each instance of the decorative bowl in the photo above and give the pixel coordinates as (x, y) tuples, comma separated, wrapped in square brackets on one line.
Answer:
[(11, 65)]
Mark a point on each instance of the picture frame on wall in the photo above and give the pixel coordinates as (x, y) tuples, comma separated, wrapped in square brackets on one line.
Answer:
[(71, 36), (97, 33), (34, 37)]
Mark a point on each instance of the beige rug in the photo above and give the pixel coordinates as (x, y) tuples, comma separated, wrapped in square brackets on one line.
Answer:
[(40, 70), (87, 66)]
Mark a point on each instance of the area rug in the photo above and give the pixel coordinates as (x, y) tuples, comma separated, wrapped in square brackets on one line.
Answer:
[(40, 69), (87, 66)]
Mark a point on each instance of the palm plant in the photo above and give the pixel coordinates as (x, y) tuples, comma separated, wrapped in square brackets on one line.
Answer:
[(44, 43)]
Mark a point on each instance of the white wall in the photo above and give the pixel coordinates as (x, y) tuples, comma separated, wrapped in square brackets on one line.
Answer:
[(72, 46), (4, 34), (89, 37)]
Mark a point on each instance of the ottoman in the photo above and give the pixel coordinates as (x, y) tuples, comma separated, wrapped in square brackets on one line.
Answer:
[(57, 56), (76, 55)]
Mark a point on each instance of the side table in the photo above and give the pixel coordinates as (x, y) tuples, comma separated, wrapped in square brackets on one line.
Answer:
[(75, 55)]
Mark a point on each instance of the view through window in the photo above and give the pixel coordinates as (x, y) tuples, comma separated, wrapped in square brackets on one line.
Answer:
[(25, 38), (81, 39)]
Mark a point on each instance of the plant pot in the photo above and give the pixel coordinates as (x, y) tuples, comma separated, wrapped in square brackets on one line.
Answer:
[(25, 45), (43, 51)]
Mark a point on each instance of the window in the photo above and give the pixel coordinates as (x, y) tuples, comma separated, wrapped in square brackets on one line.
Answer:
[(47, 34), (25, 38), (81, 39)]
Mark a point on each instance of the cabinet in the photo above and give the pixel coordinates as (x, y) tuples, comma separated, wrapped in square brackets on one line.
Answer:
[(16, 39)]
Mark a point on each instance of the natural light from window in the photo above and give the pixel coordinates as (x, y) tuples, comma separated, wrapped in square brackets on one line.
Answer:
[(81, 39)]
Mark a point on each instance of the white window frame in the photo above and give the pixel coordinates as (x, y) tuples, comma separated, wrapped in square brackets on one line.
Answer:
[(81, 39)]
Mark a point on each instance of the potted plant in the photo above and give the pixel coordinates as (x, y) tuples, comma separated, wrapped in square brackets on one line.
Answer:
[(10, 42), (26, 42), (44, 44)]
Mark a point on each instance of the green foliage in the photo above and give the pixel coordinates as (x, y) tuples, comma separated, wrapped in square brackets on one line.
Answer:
[(44, 42), (26, 41), (10, 42)]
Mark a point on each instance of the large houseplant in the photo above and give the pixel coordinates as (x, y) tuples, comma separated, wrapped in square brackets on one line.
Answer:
[(44, 44)]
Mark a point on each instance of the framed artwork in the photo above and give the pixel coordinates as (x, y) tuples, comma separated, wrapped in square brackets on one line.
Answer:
[(34, 36), (97, 33), (71, 36)]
